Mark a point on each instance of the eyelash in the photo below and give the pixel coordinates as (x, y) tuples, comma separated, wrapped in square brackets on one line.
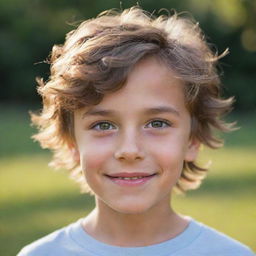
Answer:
[(163, 122), (93, 127)]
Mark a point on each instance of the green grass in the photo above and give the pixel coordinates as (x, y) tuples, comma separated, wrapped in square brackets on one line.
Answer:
[(34, 200)]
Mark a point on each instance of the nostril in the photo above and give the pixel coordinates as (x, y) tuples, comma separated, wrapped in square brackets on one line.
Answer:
[(130, 156), (129, 145)]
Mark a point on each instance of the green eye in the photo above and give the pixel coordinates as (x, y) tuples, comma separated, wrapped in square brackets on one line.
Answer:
[(158, 124), (103, 126)]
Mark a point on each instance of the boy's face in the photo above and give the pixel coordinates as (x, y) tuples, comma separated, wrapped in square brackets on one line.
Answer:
[(133, 144)]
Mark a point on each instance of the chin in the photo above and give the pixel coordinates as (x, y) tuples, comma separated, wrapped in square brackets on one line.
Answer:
[(131, 208)]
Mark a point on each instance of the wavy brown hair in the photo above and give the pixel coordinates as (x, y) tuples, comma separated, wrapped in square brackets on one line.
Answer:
[(96, 59)]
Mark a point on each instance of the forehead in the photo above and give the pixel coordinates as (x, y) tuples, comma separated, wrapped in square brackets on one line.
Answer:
[(150, 80), (150, 84), (153, 71)]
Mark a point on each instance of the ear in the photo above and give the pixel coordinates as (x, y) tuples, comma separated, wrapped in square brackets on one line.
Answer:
[(192, 150)]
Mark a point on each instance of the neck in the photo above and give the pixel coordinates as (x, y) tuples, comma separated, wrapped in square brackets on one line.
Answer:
[(131, 230)]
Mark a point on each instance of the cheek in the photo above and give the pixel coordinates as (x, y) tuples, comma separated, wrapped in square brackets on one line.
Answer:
[(169, 155), (94, 154)]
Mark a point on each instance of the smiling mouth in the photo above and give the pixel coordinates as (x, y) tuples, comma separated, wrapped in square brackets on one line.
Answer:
[(130, 179), (129, 175)]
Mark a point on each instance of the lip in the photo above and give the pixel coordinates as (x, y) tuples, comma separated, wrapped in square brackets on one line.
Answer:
[(118, 178), (129, 174)]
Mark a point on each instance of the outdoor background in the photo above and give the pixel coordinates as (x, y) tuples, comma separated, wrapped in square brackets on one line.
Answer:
[(34, 200)]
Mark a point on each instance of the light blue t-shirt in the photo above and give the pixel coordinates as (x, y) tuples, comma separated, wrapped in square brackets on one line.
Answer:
[(196, 240)]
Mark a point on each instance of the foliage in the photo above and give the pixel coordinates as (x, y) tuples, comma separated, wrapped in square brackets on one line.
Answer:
[(29, 28)]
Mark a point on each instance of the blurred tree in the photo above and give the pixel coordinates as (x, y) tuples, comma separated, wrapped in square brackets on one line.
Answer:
[(29, 28)]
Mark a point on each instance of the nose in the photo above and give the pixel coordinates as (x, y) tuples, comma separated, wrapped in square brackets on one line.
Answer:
[(129, 148)]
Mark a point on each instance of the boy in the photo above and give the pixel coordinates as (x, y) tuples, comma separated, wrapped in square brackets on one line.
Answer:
[(129, 101)]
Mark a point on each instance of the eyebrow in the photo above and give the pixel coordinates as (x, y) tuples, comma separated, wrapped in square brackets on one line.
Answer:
[(162, 109), (154, 110), (98, 112)]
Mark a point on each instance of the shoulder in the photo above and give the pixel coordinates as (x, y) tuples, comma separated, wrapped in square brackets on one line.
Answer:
[(216, 243), (45, 245), (60, 242)]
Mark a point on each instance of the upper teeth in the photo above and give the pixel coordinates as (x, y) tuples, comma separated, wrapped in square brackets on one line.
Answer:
[(130, 178)]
